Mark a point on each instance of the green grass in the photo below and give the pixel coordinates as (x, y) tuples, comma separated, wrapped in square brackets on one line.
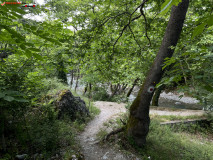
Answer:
[(101, 134), (164, 143), (166, 118)]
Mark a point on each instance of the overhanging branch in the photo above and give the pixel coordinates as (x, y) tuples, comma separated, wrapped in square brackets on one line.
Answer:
[(130, 20)]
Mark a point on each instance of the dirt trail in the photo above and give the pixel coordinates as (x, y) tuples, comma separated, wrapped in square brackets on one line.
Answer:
[(109, 110), (90, 149)]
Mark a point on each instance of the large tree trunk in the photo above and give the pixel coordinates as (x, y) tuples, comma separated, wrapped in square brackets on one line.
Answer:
[(138, 122)]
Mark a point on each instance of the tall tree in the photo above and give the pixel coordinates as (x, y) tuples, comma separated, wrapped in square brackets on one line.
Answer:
[(139, 120)]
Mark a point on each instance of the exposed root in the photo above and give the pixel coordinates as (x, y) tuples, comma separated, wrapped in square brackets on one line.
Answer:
[(113, 133), (124, 123)]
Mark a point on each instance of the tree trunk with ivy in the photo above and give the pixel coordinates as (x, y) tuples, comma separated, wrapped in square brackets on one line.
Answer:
[(139, 120)]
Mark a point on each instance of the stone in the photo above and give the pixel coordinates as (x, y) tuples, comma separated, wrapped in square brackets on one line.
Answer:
[(70, 106), (73, 156), (23, 156), (118, 157), (105, 156), (177, 103)]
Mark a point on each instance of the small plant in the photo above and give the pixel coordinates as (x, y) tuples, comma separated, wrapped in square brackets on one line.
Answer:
[(101, 134)]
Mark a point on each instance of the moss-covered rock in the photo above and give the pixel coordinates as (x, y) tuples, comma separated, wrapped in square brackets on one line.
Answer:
[(70, 106)]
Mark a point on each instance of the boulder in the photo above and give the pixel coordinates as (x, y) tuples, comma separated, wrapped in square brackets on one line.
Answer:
[(70, 106)]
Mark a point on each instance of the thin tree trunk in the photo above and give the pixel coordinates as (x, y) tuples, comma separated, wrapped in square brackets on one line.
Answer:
[(72, 77), (76, 85), (114, 91), (157, 95), (139, 120), (193, 81), (131, 89), (85, 89), (184, 74), (124, 87), (111, 88)]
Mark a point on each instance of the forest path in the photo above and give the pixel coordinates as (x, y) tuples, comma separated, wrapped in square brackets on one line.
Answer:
[(110, 110)]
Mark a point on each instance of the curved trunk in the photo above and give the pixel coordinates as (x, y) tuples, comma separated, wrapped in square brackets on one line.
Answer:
[(157, 95), (139, 120)]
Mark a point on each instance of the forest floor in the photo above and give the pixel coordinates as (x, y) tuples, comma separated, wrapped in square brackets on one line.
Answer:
[(110, 110)]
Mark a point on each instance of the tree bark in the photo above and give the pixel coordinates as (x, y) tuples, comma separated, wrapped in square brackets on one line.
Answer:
[(78, 75), (72, 77), (114, 91), (123, 88), (85, 89), (157, 95), (133, 86), (139, 120)]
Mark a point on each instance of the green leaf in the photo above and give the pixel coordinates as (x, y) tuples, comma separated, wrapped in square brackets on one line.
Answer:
[(209, 88), (198, 30), (210, 20), (28, 53), (165, 6), (2, 95), (23, 46), (34, 49), (21, 100), (181, 96), (16, 15), (8, 98), (10, 92), (37, 56)]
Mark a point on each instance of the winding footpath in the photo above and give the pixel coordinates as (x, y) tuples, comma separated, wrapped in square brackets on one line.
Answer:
[(110, 110)]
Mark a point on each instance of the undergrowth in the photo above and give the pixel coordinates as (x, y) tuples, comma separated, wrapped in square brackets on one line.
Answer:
[(36, 131), (165, 143)]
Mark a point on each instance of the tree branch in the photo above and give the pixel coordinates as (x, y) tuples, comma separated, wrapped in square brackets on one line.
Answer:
[(130, 20), (113, 17), (135, 38), (142, 13)]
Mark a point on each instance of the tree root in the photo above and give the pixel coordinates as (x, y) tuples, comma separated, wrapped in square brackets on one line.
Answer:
[(113, 133)]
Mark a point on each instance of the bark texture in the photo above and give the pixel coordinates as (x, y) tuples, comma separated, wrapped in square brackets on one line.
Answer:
[(139, 120), (157, 95)]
